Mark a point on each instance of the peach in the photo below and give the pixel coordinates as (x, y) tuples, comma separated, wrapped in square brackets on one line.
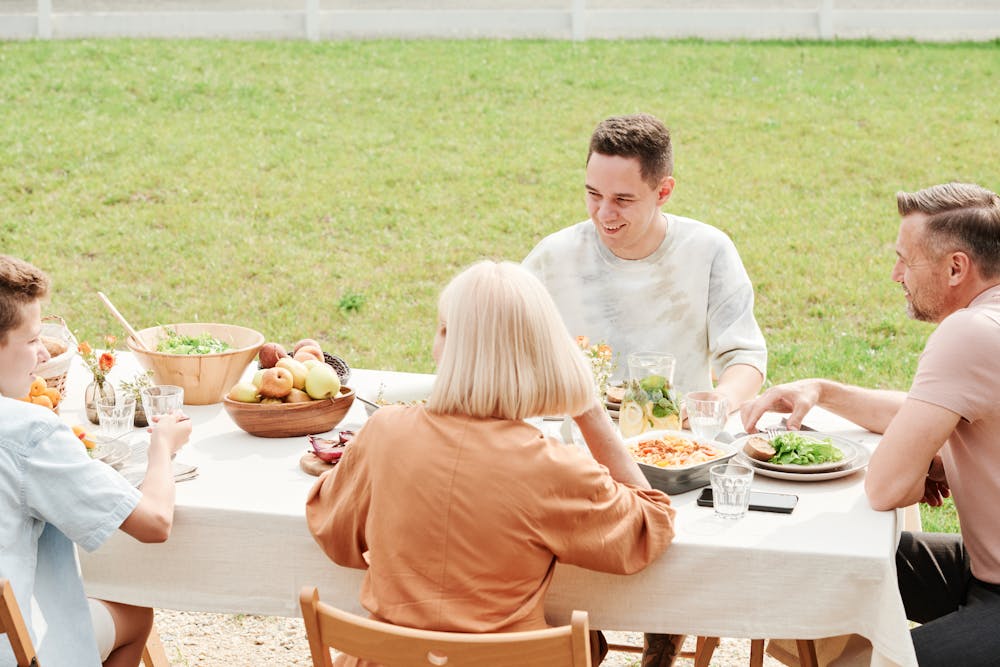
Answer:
[(303, 342), (309, 352), (269, 354), (297, 396), (276, 383)]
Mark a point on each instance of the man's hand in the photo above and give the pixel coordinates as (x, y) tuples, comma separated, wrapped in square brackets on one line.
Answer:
[(936, 487), (797, 398)]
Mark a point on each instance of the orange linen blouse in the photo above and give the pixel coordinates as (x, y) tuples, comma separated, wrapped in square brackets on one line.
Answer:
[(459, 521)]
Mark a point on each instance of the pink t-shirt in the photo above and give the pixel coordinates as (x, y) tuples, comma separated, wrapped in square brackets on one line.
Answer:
[(959, 370)]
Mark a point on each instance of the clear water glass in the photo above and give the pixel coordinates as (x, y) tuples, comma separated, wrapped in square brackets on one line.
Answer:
[(161, 399), (731, 489), (116, 416), (706, 413)]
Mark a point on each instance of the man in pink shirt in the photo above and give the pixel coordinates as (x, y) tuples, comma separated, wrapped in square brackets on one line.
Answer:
[(943, 436)]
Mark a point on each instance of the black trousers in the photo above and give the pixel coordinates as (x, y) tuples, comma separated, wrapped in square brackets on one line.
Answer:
[(960, 615)]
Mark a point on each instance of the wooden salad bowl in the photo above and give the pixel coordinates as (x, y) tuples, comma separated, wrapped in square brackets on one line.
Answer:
[(206, 378), (287, 420)]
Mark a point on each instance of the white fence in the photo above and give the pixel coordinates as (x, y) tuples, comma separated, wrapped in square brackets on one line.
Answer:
[(306, 19)]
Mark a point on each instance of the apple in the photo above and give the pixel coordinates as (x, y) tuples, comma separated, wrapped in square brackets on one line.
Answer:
[(297, 396), (276, 383), (269, 354), (305, 341), (322, 382), (244, 392), (257, 377), (309, 352), (299, 371)]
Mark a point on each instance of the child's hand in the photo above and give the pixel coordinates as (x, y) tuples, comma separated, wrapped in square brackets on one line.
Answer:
[(172, 430)]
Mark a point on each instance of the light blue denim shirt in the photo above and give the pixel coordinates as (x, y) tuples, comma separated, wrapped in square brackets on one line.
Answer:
[(53, 494)]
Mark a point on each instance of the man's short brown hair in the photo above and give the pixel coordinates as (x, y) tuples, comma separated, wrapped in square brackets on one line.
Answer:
[(640, 136), (960, 216), (20, 283)]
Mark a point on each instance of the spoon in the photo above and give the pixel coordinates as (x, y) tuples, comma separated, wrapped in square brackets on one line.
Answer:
[(367, 402), (124, 322)]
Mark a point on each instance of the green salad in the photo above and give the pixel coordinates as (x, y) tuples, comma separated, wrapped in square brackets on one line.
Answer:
[(793, 448), (176, 343)]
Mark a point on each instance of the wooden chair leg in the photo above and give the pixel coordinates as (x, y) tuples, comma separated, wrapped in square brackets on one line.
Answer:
[(757, 653), (153, 654), (705, 648), (807, 653)]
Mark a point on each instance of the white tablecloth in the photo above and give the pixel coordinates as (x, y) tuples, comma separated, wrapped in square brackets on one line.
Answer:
[(240, 545)]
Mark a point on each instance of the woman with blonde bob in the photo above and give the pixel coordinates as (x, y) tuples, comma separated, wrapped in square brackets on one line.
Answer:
[(459, 509)]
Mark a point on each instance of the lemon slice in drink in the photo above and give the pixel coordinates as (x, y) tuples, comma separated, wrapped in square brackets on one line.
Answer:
[(631, 419)]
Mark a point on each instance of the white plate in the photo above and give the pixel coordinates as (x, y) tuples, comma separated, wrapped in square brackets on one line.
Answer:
[(849, 449), (112, 452), (859, 463)]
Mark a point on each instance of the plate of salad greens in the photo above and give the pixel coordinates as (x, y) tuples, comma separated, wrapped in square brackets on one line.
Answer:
[(806, 452)]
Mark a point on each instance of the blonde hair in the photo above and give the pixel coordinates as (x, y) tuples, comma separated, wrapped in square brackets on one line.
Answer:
[(507, 353)]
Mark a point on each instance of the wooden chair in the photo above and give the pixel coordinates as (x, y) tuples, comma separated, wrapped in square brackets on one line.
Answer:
[(12, 623), (705, 647), (328, 627), (153, 654)]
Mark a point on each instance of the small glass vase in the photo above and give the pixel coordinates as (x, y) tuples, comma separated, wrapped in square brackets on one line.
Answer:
[(90, 396), (140, 420)]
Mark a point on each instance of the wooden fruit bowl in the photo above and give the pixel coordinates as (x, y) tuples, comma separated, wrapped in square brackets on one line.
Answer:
[(287, 420)]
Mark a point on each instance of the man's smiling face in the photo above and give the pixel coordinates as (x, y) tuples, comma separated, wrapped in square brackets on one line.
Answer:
[(625, 208)]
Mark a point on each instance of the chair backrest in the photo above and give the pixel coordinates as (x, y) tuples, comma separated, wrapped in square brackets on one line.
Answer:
[(395, 646), (12, 623)]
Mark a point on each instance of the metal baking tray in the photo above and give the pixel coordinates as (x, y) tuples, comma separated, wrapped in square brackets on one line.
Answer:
[(681, 479)]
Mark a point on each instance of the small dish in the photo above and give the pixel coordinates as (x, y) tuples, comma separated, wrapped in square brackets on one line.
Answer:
[(679, 479), (849, 449), (859, 463), (113, 452)]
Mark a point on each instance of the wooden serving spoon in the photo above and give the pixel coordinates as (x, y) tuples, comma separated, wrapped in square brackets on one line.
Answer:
[(124, 322)]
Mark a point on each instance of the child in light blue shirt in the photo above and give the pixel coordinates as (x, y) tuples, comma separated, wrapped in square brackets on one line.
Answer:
[(52, 495)]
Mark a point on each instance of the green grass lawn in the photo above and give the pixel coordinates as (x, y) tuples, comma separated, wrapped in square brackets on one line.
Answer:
[(330, 190)]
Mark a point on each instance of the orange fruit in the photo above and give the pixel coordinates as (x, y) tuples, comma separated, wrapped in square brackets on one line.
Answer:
[(38, 387), (53, 395), (42, 400)]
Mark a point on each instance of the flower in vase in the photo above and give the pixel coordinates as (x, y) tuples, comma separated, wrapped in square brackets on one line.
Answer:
[(601, 360), (98, 364)]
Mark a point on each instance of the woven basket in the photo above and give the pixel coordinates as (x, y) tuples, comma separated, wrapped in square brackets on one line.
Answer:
[(55, 370)]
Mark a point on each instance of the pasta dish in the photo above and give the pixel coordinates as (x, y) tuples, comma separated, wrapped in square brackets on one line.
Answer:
[(671, 451)]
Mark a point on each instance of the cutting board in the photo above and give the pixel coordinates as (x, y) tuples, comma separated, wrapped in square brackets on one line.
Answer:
[(313, 465)]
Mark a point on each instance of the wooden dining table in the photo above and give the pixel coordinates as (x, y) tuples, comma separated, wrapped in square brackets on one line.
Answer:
[(240, 545)]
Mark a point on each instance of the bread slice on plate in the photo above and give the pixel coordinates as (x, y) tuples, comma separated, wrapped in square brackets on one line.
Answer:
[(758, 448)]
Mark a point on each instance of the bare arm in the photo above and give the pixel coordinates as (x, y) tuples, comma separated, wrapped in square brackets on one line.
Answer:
[(153, 517), (872, 409), (607, 448), (898, 470), (739, 383)]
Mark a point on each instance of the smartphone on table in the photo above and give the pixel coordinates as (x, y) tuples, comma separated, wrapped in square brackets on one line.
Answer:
[(761, 501)]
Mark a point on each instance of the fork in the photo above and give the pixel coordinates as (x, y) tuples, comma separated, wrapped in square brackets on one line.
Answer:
[(771, 432)]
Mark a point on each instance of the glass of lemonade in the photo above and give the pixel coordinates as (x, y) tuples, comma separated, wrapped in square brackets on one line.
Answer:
[(649, 402)]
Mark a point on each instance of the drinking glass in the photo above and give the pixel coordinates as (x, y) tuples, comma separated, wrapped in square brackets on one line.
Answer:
[(648, 401), (116, 416), (706, 413), (731, 489), (161, 399)]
